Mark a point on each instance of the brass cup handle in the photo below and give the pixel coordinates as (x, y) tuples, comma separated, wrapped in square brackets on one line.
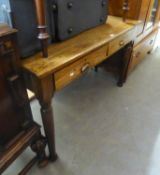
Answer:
[(85, 68), (137, 54), (72, 73), (121, 43)]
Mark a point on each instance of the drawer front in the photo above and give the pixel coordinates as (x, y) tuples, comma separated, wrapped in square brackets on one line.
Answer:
[(121, 41), (137, 56), (141, 50), (6, 46), (97, 56), (141, 37), (69, 73)]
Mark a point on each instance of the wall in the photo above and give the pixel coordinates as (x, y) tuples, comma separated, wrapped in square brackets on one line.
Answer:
[(5, 12)]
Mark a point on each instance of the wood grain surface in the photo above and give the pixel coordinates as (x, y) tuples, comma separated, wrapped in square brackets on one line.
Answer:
[(63, 53)]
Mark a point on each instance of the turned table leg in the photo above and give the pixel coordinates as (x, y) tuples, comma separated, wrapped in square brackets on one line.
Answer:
[(44, 91), (48, 123), (125, 64), (96, 69), (38, 146), (125, 9)]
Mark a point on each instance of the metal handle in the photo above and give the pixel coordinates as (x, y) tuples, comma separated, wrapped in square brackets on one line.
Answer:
[(85, 68), (151, 41), (121, 43), (137, 54), (72, 73)]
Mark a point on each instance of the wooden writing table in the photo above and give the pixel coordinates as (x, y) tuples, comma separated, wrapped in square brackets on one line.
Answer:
[(70, 59)]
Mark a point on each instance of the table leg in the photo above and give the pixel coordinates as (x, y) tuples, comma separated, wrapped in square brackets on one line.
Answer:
[(96, 69), (44, 90), (126, 62), (48, 123)]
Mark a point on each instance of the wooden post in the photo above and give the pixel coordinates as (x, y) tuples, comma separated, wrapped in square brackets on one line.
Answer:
[(126, 60), (44, 91), (41, 17), (125, 9)]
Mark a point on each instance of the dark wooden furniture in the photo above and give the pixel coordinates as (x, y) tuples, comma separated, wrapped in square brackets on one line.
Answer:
[(41, 18), (71, 59), (148, 12), (125, 9), (17, 128)]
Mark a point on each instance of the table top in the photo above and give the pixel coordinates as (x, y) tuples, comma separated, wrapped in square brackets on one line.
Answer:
[(66, 52), (6, 30)]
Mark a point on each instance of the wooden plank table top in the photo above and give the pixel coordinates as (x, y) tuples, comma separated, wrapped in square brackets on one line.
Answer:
[(63, 53), (6, 30)]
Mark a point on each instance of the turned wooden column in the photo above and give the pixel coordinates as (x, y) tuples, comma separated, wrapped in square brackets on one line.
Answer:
[(41, 18), (44, 91), (125, 9)]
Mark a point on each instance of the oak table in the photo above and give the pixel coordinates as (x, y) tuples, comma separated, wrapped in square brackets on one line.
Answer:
[(68, 60)]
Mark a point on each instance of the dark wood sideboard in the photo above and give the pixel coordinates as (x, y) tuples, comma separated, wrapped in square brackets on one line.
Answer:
[(17, 127)]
